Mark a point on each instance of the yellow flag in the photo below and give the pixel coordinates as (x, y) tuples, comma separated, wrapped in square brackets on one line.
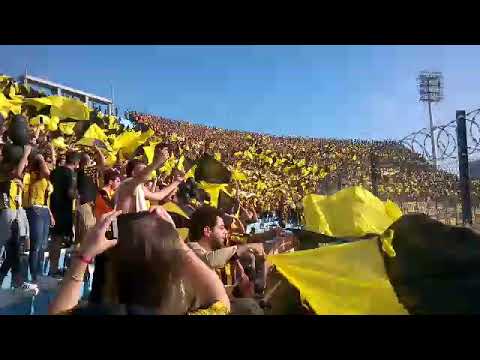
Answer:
[(168, 166), (365, 213), (94, 142), (287, 169), (110, 159), (7, 105), (345, 279), (59, 143), (53, 123), (152, 176), (62, 107), (179, 165), (113, 123), (191, 172), (247, 155), (67, 128), (145, 136), (68, 108), (38, 103), (129, 141), (218, 156), (238, 175), (39, 120), (261, 186), (13, 93), (174, 208), (149, 152), (213, 190), (4, 78), (95, 132), (279, 162), (183, 233), (393, 210)]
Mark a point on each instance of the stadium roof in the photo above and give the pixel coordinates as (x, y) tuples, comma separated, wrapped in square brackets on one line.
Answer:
[(53, 85)]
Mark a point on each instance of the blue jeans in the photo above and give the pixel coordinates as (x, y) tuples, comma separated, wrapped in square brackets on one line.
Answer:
[(39, 220)]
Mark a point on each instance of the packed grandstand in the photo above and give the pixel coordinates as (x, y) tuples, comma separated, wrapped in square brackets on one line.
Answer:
[(277, 165), (277, 169), (171, 178)]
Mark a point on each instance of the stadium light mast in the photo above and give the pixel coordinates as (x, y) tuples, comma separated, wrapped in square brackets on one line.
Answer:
[(430, 85), (113, 95)]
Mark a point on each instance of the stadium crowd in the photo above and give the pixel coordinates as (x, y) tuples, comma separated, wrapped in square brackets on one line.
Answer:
[(71, 177), (295, 166), (163, 211)]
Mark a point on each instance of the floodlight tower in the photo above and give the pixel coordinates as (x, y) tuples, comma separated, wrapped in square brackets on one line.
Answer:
[(430, 85)]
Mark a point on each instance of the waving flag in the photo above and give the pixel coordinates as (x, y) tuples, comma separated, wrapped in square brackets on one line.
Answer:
[(345, 279), (366, 213)]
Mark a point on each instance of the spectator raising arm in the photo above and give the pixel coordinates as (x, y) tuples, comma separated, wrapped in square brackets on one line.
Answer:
[(161, 155), (164, 193), (18, 172), (43, 167), (53, 154), (93, 244)]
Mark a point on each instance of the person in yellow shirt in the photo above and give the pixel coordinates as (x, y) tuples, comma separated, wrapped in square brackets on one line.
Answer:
[(39, 215)]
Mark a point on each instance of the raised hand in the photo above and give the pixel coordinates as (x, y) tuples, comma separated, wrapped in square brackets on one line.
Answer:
[(161, 154), (95, 242)]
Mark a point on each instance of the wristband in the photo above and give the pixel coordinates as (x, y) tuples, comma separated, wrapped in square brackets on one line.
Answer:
[(78, 278), (85, 260)]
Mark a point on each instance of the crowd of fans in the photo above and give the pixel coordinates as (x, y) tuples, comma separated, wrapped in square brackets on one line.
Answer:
[(64, 188), (71, 177), (151, 269), (295, 166)]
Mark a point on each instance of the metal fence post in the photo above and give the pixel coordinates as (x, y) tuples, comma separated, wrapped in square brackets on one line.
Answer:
[(463, 167)]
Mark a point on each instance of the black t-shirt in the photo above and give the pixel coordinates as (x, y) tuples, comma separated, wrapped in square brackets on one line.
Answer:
[(87, 190), (63, 179)]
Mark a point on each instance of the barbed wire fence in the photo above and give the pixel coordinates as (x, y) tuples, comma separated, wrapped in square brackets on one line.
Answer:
[(446, 140), (439, 195)]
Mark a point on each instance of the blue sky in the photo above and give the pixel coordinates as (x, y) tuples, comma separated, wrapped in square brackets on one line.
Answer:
[(319, 91)]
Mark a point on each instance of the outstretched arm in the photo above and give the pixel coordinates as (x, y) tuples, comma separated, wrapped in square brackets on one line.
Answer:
[(18, 172), (43, 167), (165, 192), (54, 155), (99, 159), (161, 155)]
